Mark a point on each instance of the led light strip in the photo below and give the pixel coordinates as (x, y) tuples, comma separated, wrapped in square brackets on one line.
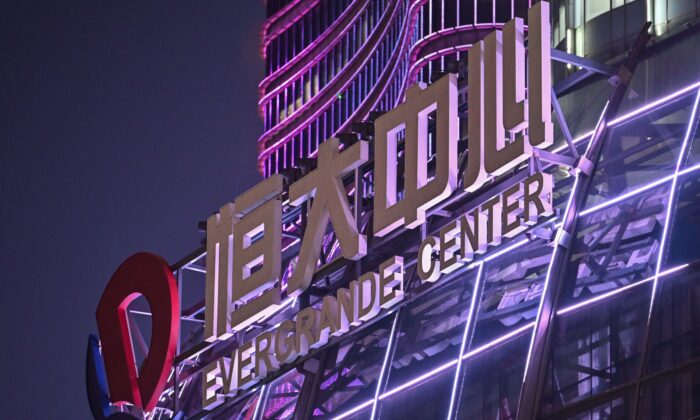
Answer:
[(623, 118), (382, 374), (323, 107), (354, 410), (465, 337), (638, 190), (692, 122), (430, 374), (505, 337), (317, 40), (617, 291), (336, 41), (389, 347)]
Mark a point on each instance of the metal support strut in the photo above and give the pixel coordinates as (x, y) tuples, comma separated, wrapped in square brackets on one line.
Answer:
[(540, 345)]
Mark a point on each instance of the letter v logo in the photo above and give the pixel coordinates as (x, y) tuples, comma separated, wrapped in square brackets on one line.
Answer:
[(148, 275)]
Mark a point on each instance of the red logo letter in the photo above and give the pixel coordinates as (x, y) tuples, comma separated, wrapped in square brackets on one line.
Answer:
[(148, 275)]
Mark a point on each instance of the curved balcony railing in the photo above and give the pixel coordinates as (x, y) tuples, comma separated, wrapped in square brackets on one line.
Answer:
[(292, 70), (446, 42), (393, 76), (294, 35), (423, 36), (283, 19), (309, 110)]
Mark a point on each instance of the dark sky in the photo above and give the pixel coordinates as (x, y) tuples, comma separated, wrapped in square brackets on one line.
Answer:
[(122, 124)]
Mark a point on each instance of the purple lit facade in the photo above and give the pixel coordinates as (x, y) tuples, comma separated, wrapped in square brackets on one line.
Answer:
[(330, 64), (598, 322)]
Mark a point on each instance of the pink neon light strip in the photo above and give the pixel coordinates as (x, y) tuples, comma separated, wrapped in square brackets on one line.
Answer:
[(265, 96), (398, 48), (322, 108), (277, 16), (415, 49), (270, 149)]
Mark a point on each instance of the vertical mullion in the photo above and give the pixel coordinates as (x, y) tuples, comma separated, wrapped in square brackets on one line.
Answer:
[(466, 338), (661, 257), (385, 365)]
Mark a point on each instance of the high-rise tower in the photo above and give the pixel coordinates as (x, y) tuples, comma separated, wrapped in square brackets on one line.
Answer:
[(329, 63)]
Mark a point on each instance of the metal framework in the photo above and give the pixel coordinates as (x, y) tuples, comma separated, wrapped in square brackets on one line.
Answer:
[(579, 304)]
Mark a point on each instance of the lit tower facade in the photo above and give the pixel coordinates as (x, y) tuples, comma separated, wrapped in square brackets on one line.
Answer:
[(331, 63)]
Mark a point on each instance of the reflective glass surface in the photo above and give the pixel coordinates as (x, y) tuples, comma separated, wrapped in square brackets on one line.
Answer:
[(243, 410), (617, 245), (596, 348), (694, 152), (512, 289), (430, 329), (671, 396), (282, 396), (674, 337), (491, 381), (429, 399), (352, 368), (641, 150), (685, 235)]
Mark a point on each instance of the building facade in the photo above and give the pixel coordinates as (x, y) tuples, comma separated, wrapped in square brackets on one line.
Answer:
[(598, 322)]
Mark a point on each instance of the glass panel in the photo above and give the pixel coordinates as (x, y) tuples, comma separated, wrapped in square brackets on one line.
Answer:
[(674, 396), (652, 78), (694, 152), (640, 151), (582, 107), (243, 410), (596, 348), (681, 10), (685, 235), (431, 329), (363, 414), (512, 289), (617, 245), (492, 381), (675, 330), (484, 11), (282, 396), (615, 407), (596, 7), (430, 400), (352, 369)]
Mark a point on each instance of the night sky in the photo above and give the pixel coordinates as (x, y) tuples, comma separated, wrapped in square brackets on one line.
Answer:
[(122, 124)]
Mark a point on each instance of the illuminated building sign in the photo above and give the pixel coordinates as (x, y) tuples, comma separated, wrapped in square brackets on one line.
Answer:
[(506, 124), (244, 236)]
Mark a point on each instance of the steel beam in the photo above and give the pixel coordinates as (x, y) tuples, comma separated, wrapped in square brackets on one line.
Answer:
[(540, 345), (563, 125), (575, 60)]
